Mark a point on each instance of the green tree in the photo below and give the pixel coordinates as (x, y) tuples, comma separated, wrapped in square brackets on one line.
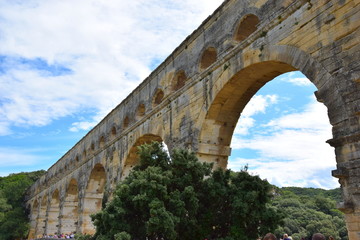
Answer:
[(181, 198), (14, 222), (153, 198), (240, 206)]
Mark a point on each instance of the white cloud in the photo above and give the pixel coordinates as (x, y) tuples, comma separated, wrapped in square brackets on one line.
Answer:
[(296, 79), (301, 173), (295, 152), (109, 47), (313, 117), (257, 104), (300, 81), (14, 157), (4, 128), (86, 125)]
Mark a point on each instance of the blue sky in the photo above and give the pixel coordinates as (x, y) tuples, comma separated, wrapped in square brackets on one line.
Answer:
[(281, 135), (65, 64)]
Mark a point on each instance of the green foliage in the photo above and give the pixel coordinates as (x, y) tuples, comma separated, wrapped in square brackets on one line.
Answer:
[(83, 236), (122, 236), (240, 203), (14, 222), (308, 211), (181, 198), (333, 194)]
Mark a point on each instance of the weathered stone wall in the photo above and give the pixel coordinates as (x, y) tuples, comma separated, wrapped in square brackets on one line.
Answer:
[(195, 98)]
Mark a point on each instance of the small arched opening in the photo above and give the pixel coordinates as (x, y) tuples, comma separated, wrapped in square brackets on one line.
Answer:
[(92, 147), (247, 26), (84, 155), (208, 57), (77, 159), (102, 141), (179, 80), (113, 132), (140, 111), (158, 97), (126, 123)]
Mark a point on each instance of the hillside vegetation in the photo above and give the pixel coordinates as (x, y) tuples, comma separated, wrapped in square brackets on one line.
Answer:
[(308, 211), (181, 198), (14, 222)]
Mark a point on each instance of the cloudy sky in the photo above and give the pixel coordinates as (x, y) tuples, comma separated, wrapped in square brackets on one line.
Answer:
[(65, 64)]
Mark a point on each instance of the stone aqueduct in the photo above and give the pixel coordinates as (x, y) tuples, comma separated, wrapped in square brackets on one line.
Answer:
[(195, 98)]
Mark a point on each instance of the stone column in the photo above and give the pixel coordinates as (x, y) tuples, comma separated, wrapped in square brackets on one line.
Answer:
[(33, 223), (92, 204), (348, 171), (214, 153), (61, 216), (41, 222), (79, 228), (52, 226), (69, 217)]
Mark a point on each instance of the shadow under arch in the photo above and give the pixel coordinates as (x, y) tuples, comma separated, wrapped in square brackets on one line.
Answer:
[(217, 124), (70, 214), (92, 201), (132, 157)]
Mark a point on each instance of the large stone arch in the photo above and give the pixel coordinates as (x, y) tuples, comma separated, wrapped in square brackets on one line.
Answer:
[(92, 201), (53, 214), (70, 209), (132, 157), (224, 111), (244, 78)]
